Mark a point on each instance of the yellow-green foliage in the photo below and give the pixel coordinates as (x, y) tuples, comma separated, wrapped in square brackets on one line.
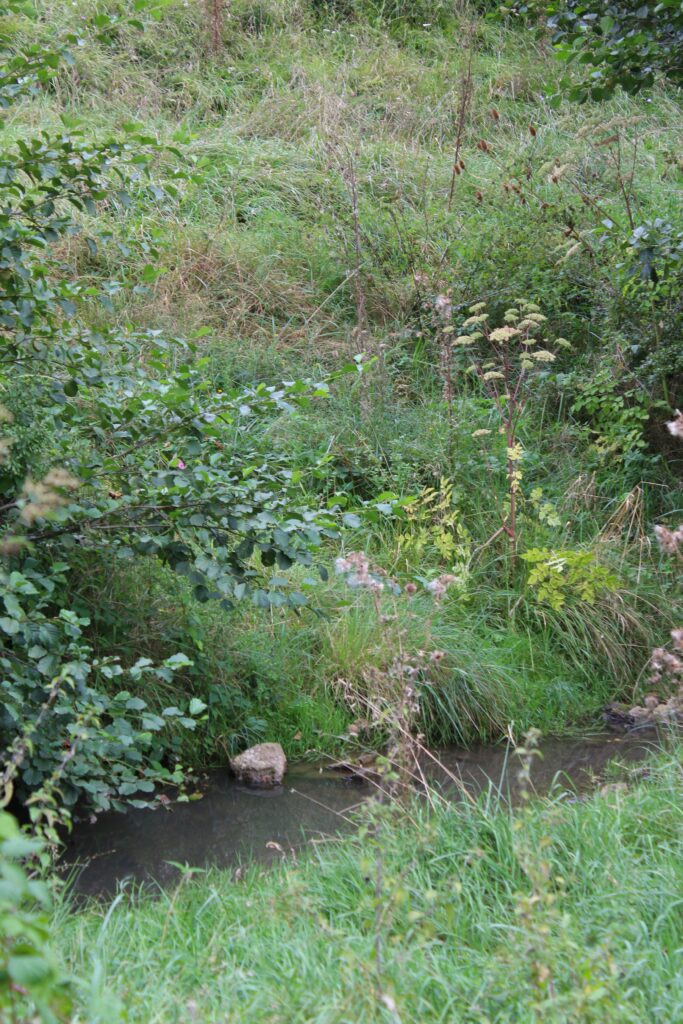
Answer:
[(558, 576)]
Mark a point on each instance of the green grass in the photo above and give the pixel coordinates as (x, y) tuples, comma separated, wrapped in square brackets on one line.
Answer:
[(563, 912), (259, 250)]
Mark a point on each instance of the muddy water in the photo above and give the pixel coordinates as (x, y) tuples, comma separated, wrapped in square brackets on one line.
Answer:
[(232, 824)]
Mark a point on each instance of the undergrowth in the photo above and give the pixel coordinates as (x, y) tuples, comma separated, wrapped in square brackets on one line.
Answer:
[(269, 248)]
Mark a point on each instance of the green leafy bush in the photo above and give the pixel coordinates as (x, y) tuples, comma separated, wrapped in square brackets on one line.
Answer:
[(561, 576), (126, 448)]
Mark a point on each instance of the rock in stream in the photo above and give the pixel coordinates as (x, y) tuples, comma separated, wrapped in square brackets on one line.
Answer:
[(262, 765)]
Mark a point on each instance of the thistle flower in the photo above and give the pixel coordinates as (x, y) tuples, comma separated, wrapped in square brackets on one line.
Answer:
[(669, 540), (439, 587), (443, 306), (358, 571)]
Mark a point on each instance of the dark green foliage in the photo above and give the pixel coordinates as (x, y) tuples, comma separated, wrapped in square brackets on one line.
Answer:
[(628, 44)]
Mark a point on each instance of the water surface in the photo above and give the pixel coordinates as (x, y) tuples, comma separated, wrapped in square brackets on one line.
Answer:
[(233, 823)]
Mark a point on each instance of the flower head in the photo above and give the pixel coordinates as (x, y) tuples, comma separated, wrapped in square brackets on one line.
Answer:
[(675, 426)]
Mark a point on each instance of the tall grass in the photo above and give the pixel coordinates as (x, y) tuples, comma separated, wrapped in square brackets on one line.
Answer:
[(560, 912)]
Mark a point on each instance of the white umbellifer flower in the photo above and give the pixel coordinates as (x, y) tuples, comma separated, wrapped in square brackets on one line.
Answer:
[(543, 356), (503, 334)]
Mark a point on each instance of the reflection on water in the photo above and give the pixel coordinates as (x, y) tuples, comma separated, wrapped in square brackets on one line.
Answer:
[(233, 823)]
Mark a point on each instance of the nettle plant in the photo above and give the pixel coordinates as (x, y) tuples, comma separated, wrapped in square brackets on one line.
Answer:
[(507, 360), (114, 441)]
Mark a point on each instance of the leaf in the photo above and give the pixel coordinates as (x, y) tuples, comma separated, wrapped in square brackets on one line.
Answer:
[(28, 970)]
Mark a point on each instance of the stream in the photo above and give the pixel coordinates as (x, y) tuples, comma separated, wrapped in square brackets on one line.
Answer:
[(233, 823)]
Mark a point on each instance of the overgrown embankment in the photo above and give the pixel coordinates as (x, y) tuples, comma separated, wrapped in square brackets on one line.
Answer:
[(353, 166)]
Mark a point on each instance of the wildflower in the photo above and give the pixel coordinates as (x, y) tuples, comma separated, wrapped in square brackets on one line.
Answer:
[(358, 571), (675, 426), (511, 316), (477, 307), (503, 334), (439, 587), (535, 317), (46, 495), (543, 356), (481, 318), (669, 540), (410, 589), (563, 343), (437, 656), (463, 339), (481, 433), (443, 306), (493, 375)]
